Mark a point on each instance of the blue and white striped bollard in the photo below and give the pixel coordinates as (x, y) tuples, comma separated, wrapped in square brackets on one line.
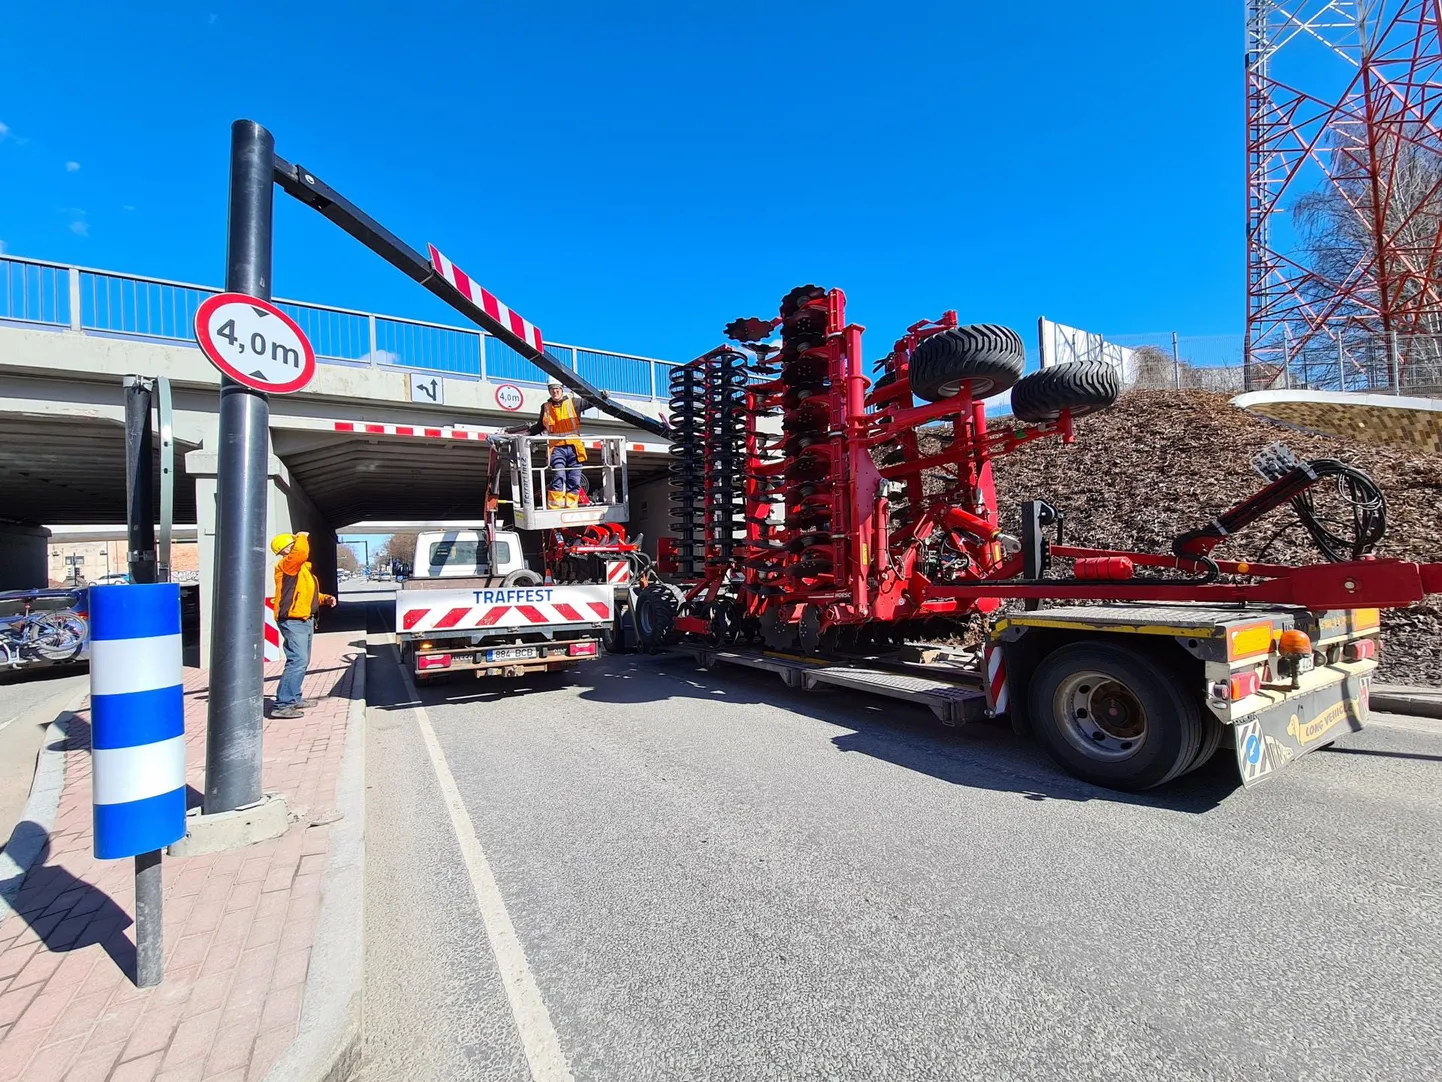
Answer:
[(137, 708), (137, 742)]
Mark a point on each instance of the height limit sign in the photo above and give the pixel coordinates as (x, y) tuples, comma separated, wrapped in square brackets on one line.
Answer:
[(254, 343)]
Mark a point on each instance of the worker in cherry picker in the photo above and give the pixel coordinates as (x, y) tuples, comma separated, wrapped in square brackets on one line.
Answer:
[(561, 418)]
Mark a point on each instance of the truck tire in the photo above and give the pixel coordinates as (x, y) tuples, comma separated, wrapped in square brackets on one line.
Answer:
[(1211, 741), (1113, 716), (1081, 387), (654, 614), (522, 577), (988, 356)]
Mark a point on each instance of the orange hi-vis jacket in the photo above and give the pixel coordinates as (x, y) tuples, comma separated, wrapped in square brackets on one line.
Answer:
[(297, 593), (561, 419)]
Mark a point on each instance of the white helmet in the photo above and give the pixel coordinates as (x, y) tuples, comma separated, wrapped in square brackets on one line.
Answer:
[(552, 382)]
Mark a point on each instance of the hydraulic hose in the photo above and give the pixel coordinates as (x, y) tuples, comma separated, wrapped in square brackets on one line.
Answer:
[(1364, 499)]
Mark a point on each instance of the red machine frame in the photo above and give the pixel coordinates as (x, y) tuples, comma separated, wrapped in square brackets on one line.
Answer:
[(838, 560)]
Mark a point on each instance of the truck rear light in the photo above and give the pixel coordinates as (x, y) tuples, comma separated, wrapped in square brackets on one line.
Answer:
[(1361, 650), (582, 649), (433, 661), (1244, 684)]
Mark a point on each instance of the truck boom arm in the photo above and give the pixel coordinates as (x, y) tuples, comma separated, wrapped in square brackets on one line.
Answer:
[(305, 186)]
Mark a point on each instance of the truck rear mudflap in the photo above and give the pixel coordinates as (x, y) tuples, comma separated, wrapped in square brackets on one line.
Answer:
[(1273, 737)]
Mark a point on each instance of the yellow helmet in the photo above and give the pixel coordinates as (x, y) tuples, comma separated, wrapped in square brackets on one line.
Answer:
[(280, 541)]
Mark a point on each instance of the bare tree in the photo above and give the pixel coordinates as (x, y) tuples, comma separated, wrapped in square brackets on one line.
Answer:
[(398, 546), (345, 559)]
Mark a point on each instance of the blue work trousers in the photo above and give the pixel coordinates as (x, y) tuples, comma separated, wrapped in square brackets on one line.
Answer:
[(565, 470), (296, 637)]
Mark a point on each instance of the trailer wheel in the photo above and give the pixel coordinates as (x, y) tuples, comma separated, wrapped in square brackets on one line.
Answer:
[(1113, 716), (988, 356), (654, 615), (1081, 387), (522, 577)]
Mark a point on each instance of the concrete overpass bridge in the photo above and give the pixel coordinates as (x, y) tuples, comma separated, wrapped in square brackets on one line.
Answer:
[(391, 429)]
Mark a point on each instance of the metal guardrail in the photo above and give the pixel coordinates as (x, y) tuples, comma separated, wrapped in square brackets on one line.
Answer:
[(84, 299)]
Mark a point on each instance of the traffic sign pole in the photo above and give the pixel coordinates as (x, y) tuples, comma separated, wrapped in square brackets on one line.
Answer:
[(233, 735)]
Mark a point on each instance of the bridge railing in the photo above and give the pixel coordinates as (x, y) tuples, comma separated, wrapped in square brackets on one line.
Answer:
[(90, 301)]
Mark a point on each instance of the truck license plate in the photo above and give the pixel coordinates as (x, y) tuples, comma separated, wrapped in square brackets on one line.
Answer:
[(510, 653)]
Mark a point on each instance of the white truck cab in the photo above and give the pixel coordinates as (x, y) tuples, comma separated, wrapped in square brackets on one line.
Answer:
[(468, 554)]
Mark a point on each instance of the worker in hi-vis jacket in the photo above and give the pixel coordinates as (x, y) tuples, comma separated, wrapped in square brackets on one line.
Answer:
[(561, 418), (298, 599)]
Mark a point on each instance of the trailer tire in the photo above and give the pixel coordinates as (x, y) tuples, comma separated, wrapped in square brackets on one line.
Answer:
[(1152, 731), (1211, 741), (1079, 387), (522, 577), (654, 614), (988, 356)]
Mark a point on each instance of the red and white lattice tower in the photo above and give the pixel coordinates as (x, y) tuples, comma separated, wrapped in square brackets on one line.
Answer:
[(1344, 188)]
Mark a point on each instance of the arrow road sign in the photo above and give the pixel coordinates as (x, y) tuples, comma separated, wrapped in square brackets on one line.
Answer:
[(254, 343)]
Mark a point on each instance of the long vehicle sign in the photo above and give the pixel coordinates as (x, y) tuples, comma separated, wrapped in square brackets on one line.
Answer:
[(504, 607)]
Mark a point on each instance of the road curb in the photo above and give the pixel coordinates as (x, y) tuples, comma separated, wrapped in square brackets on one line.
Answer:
[(328, 1046), (1424, 704), (43, 804)]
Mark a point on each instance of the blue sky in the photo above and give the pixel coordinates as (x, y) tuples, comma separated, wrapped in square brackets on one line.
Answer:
[(634, 175)]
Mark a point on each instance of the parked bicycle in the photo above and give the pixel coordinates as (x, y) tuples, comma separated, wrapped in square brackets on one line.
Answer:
[(45, 636)]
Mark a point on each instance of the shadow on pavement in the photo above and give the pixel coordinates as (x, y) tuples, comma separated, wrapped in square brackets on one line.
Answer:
[(1335, 750), (43, 673), (65, 912), (983, 755)]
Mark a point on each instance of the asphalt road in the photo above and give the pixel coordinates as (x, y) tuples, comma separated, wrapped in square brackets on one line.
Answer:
[(713, 877)]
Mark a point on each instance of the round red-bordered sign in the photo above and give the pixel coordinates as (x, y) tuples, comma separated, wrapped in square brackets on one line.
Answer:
[(509, 397), (254, 343)]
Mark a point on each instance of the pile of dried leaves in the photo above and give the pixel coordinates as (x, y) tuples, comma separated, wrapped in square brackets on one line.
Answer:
[(1162, 462)]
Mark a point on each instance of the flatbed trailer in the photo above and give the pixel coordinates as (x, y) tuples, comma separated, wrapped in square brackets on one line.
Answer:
[(1131, 695)]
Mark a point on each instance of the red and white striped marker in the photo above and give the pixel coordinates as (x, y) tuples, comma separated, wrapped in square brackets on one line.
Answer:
[(273, 651), (368, 429), (469, 616), (998, 697), (523, 329), (618, 572)]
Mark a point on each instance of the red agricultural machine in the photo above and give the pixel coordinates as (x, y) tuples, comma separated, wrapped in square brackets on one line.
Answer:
[(835, 520)]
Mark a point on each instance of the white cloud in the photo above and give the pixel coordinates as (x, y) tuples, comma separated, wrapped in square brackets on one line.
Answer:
[(127, 206), (80, 227), (213, 18), (382, 356), (4, 131), (72, 167), (2, 247)]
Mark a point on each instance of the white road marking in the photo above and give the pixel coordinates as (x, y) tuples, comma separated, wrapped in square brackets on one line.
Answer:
[(538, 1036)]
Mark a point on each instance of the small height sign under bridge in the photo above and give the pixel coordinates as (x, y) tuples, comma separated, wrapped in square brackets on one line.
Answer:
[(254, 343)]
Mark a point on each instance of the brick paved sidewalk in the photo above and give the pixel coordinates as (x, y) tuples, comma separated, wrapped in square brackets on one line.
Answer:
[(238, 925)]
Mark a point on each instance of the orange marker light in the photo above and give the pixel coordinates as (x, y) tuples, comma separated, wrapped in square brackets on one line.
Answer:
[(1294, 642)]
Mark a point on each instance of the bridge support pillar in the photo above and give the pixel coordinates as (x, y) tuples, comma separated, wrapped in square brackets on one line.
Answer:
[(288, 510), (24, 557)]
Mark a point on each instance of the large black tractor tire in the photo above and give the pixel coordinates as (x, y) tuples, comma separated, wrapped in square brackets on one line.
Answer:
[(990, 357), (1080, 387), (522, 577), (655, 615), (1115, 716)]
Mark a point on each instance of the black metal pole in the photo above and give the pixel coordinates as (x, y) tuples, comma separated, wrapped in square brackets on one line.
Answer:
[(149, 934), (233, 736), (139, 481), (141, 564)]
